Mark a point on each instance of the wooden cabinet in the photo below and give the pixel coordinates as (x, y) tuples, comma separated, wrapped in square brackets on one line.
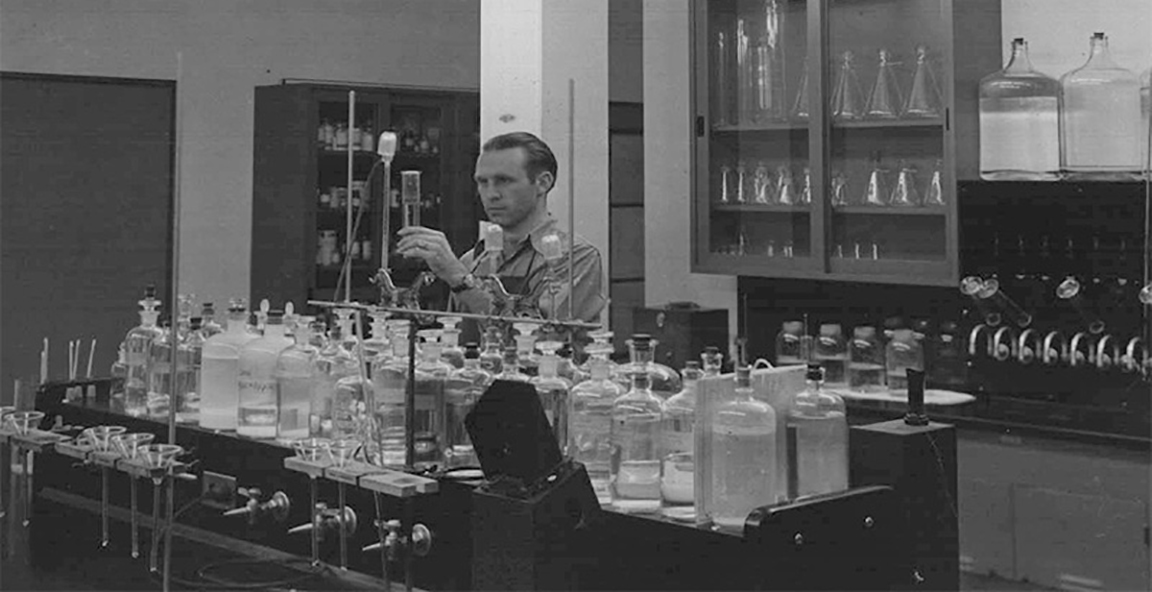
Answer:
[(299, 229), (807, 131)]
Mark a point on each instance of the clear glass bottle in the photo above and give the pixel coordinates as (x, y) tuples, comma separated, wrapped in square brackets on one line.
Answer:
[(138, 355), (391, 384), (553, 390), (208, 325), (821, 426), (663, 380), (333, 363), (297, 372), (219, 372), (492, 358), (865, 360), (903, 351), (677, 486), (450, 350), (711, 361), (590, 428), (461, 392), (189, 365), (431, 377), (1019, 121), (378, 342), (636, 441), (511, 366), (831, 352), (119, 373), (791, 344), (352, 402), (257, 379), (1100, 118), (526, 348), (744, 455), (949, 367), (600, 340), (160, 369)]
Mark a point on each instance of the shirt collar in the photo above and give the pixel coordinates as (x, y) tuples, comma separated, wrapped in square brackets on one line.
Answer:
[(536, 235)]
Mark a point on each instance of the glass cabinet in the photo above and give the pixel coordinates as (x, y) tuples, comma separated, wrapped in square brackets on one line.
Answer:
[(830, 135)]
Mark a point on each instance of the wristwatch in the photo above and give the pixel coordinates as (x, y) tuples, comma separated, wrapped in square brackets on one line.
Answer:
[(467, 283)]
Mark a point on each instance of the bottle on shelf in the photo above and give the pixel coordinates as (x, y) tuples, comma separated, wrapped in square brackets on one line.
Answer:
[(831, 352), (333, 363), (792, 344), (800, 106), (636, 423), (431, 377), (450, 350), (138, 355), (492, 358), (119, 374), (721, 108), (391, 385), (820, 422), (553, 391), (189, 365), (866, 365), (526, 347), (600, 340), (208, 324), (1100, 118), (677, 486), (711, 361), (662, 380), (297, 372), (352, 402), (884, 102), (377, 343), (511, 366), (1019, 121), (160, 369), (461, 392), (743, 455), (903, 352), (589, 434), (256, 417)]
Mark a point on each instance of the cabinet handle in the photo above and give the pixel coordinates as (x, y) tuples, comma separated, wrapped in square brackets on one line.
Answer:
[(699, 126)]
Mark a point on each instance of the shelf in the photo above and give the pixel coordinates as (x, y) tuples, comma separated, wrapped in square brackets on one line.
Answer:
[(891, 210), (888, 123), (761, 208), (344, 153), (772, 126)]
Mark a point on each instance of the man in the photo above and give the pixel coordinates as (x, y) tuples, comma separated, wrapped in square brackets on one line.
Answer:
[(513, 176)]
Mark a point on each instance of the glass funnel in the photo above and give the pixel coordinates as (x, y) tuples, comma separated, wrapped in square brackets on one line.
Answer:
[(884, 102), (1101, 117), (924, 99), (847, 101)]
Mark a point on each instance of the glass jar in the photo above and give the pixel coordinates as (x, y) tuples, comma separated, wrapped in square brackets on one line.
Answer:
[(865, 360), (1101, 117), (903, 352), (790, 344), (831, 352), (1019, 121), (664, 381)]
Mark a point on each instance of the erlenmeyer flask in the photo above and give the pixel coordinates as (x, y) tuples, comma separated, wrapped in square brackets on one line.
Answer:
[(741, 182), (904, 194), (762, 184), (725, 184), (785, 190), (800, 107), (924, 100), (884, 102), (805, 197), (839, 194), (876, 191), (846, 97), (934, 195)]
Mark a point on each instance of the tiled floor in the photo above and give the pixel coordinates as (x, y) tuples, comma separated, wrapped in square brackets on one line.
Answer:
[(971, 581)]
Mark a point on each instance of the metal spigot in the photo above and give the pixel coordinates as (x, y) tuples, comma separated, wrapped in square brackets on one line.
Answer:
[(1076, 357), (1028, 347), (1004, 344), (396, 541), (1055, 349), (974, 337), (1107, 356), (327, 520), (401, 297), (505, 302), (277, 506), (1134, 355)]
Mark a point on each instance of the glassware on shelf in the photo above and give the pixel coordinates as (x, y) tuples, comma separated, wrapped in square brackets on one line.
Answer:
[(431, 378), (934, 194), (744, 455), (762, 184), (800, 106), (792, 344), (847, 98), (830, 351), (745, 72), (820, 421), (663, 381), (636, 439), (924, 99), (553, 391), (1101, 117), (770, 65), (390, 382), (865, 360), (138, 353), (726, 195), (589, 433), (785, 189), (296, 374), (805, 197), (676, 483), (884, 102), (904, 193), (741, 182), (722, 81), (902, 352), (838, 196), (876, 191)]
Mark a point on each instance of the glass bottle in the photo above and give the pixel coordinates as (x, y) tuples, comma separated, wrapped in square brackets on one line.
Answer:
[(511, 365), (461, 392), (949, 368), (831, 353), (119, 373), (1100, 117), (800, 107), (790, 344), (391, 386), (138, 355), (160, 369), (492, 358), (865, 360), (1019, 122), (431, 377), (208, 324), (189, 365), (219, 372), (745, 71), (378, 343), (352, 402), (257, 413), (847, 99), (885, 101), (450, 350), (526, 348), (821, 426), (636, 441), (744, 455), (903, 351), (677, 486), (600, 340), (711, 361), (590, 427), (553, 391), (721, 83), (770, 64), (663, 380), (297, 372), (333, 363)]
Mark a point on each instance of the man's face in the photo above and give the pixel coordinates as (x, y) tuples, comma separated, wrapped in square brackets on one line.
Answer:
[(508, 192)]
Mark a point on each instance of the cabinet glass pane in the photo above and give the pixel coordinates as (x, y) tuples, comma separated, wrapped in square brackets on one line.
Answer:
[(886, 182), (333, 137), (759, 186)]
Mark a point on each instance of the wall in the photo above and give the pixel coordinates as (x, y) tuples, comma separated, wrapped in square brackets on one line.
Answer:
[(1057, 31), (228, 49)]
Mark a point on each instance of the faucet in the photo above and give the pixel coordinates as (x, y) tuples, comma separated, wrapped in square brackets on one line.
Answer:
[(1055, 349), (1029, 346), (1130, 362), (1077, 357), (1004, 343), (1105, 356), (973, 338)]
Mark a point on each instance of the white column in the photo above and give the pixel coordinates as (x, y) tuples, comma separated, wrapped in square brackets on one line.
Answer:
[(529, 50)]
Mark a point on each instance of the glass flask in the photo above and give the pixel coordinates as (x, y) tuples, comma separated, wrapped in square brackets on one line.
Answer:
[(847, 99), (884, 102), (902, 352), (866, 364), (677, 487), (1100, 117), (1019, 121), (461, 392), (553, 391), (876, 191), (821, 426), (924, 98), (590, 428), (791, 344), (762, 184), (431, 377), (138, 353), (492, 358), (663, 380), (831, 353), (744, 455), (725, 184), (785, 189), (296, 374), (256, 417), (636, 441), (333, 363), (805, 197), (934, 193), (741, 182), (390, 382), (800, 106), (904, 193), (838, 195)]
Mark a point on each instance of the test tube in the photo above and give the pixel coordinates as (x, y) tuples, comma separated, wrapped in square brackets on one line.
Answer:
[(410, 197)]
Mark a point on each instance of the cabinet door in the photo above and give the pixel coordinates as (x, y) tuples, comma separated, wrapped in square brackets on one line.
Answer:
[(887, 183), (754, 213)]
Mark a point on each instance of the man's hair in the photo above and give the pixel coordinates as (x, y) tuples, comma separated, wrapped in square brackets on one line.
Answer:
[(538, 156)]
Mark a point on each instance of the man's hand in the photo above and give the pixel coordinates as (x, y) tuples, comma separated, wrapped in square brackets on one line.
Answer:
[(432, 246)]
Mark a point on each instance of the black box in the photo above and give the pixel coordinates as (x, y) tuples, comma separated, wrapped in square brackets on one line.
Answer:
[(682, 331)]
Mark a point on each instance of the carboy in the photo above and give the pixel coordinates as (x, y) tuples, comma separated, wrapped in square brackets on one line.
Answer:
[(678, 433), (1019, 121), (257, 380), (821, 426), (591, 422), (743, 455), (635, 436), (1101, 117)]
